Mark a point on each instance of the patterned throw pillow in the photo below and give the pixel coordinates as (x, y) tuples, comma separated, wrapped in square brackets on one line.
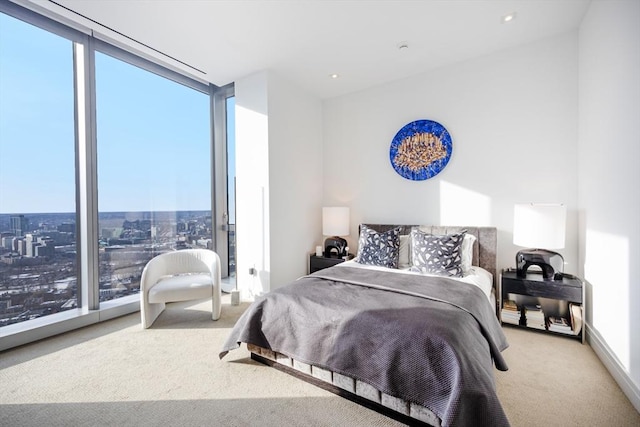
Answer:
[(437, 254), (378, 248)]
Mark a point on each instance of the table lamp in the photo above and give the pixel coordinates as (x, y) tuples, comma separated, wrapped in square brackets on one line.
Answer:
[(335, 223), (542, 227)]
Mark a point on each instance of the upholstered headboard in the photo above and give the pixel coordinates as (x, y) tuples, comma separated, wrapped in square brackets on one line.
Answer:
[(484, 249)]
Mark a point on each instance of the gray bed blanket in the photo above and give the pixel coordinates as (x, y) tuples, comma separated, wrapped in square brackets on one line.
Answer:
[(427, 340)]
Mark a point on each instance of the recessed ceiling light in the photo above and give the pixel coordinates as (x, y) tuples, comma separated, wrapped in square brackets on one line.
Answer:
[(334, 75), (508, 18)]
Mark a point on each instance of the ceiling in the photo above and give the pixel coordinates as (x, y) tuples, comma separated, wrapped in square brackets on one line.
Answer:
[(307, 40)]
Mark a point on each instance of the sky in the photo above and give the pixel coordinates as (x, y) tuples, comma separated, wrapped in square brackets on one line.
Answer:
[(36, 120), (153, 134)]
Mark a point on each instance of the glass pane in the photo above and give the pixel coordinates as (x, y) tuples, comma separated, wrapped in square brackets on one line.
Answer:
[(231, 181), (38, 275), (154, 171)]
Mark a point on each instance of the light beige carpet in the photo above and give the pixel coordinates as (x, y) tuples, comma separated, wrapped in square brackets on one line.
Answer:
[(116, 374)]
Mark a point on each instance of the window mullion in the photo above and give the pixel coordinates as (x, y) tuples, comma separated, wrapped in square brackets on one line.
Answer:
[(86, 160), (219, 200)]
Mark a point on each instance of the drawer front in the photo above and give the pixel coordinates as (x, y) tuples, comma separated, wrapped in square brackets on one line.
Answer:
[(318, 263), (546, 289)]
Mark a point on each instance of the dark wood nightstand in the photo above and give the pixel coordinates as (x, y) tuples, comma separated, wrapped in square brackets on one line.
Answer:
[(319, 262), (570, 290)]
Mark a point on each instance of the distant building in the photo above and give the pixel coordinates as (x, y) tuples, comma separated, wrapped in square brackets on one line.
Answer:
[(44, 248), (19, 224), (7, 242), (138, 224), (67, 227), (204, 243), (10, 258), (30, 242), (37, 246), (19, 245), (62, 237), (112, 232)]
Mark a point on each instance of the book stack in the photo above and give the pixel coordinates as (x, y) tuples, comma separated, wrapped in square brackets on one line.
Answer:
[(575, 310), (535, 317), (559, 324), (510, 312)]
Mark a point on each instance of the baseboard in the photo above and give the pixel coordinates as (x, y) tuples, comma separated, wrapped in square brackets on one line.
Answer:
[(47, 326), (611, 362)]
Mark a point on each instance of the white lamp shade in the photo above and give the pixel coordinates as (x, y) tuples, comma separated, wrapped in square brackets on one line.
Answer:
[(540, 226), (335, 221)]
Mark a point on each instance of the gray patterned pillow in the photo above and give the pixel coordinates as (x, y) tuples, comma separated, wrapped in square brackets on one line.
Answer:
[(437, 254), (378, 248)]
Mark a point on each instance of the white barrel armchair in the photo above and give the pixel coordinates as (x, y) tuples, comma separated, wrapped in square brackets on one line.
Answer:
[(182, 275)]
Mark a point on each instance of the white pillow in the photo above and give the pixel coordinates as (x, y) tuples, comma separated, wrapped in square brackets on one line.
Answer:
[(466, 253), (404, 259)]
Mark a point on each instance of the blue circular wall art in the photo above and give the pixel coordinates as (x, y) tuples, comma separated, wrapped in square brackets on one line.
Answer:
[(420, 150)]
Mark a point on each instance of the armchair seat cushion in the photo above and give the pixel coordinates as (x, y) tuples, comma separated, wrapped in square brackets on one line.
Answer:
[(183, 287)]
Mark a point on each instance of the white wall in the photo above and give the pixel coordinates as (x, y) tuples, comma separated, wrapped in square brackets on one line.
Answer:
[(513, 119), (252, 184), (609, 179), (279, 181), (295, 175)]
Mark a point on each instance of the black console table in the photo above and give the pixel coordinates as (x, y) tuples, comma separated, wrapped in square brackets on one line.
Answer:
[(570, 290), (317, 263)]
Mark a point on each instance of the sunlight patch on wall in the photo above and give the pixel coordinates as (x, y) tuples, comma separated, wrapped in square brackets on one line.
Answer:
[(606, 268), (252, 202), (461, 206)]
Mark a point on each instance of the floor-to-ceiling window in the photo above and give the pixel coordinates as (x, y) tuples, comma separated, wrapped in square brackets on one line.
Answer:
[(106, 160), (38, 274), (154, 171)]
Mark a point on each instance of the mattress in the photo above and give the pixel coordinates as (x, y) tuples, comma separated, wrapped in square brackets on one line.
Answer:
[(477, 276)]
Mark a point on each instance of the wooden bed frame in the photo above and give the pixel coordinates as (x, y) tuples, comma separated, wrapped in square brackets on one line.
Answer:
[(484, 255), (362, 394)]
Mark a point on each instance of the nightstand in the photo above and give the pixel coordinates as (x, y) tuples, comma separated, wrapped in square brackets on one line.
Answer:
[(569, 291), (319, 262)]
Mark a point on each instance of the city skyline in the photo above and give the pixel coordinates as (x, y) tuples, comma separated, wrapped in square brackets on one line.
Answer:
[(99, 212), (56, 218), (38, 256)]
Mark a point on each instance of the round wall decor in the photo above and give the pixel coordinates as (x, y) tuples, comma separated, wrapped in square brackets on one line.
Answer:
[(420, 150)]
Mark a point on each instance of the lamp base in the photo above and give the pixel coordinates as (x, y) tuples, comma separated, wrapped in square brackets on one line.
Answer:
[(551, 263), (335, 245)]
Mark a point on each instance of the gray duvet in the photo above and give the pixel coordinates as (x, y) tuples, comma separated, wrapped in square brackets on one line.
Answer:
[(428, 340)]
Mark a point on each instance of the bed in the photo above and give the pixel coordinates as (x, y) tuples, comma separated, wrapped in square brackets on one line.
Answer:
[(418, 346)]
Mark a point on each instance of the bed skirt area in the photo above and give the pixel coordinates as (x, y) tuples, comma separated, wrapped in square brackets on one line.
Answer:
[(347, 387)]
